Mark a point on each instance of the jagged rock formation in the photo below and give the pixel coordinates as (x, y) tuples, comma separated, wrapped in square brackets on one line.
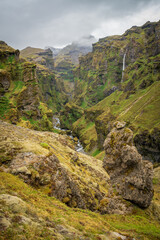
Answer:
[(130, 175), (39, 56), (67, 59), (48, 171)]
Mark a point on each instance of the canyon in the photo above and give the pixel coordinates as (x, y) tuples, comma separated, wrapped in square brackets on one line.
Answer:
[(80, 139)]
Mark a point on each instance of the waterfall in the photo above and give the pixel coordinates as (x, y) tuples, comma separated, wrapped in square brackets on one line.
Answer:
[(124, 58), (123, 68)]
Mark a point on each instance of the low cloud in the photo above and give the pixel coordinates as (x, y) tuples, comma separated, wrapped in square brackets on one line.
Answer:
[(41, 23)]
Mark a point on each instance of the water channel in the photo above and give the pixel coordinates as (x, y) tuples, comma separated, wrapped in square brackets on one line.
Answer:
[(56, 125)]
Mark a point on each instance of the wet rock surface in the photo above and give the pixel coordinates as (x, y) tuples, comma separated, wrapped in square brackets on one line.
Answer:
[(129, 174)]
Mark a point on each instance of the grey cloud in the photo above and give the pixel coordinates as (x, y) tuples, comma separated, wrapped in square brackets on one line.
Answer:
[(58, 22)]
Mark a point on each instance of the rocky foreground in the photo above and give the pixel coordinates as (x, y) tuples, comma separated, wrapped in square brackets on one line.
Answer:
[(48, 189)]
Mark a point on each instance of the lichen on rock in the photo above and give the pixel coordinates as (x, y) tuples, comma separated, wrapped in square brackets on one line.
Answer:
[(130, 175)]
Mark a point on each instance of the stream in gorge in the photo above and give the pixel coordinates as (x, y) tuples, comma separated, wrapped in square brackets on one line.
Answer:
[(56, 125)]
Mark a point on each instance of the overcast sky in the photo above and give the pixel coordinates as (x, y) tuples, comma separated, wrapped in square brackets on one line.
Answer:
[(40, 23)]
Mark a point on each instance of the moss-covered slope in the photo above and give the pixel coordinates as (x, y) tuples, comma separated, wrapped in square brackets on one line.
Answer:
[(31, 212)]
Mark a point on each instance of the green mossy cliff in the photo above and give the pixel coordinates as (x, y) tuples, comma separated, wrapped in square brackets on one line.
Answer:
[(20, 96), (107, 92), (100, 72), (55, 84)]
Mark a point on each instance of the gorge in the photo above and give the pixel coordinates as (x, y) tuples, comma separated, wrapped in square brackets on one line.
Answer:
[(80, 139)]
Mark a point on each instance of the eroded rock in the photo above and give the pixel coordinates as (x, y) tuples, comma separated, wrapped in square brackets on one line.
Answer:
[(130, 175), (62, 184)]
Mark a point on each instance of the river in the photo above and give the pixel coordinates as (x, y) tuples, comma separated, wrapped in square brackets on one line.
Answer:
[(56, 125)]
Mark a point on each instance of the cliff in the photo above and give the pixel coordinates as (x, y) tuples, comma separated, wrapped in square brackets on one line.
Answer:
[(120, 80), (55, 87), (20, 95), (100, 72)]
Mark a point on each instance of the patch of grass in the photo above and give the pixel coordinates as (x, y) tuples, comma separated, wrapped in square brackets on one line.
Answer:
[(96, 152), (140, 224), (155, 181), (45, 145), (4, 106)]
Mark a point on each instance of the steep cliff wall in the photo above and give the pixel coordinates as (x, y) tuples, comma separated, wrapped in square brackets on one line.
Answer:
[(56, 87), (100, 72), (123, 72), (20, 96)]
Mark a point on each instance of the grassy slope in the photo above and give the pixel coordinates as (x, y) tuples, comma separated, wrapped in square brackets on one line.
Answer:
[(140, 110), (30, 52), (141, 225)]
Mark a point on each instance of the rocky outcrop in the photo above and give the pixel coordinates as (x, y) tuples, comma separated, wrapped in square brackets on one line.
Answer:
[(39, 56), (129, 174), (47, 161), (148, 144), (100, 72), (48, 171)]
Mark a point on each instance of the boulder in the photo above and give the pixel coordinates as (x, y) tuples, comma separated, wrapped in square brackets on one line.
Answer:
[(129, 174), (48, 172), (22, 170), (4, 223), (15, 204)]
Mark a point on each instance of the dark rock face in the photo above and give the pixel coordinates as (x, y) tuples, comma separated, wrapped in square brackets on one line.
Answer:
[(130, 175), (103, 125), (4, 82), (110, 91), (148, 144), (129, 87)]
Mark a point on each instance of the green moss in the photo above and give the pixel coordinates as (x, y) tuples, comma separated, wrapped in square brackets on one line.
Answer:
[(4, 106), (96, 152), (146, 228), (45, 145)]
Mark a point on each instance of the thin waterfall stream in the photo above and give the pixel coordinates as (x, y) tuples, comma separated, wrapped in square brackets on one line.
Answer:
[(124, 65)]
